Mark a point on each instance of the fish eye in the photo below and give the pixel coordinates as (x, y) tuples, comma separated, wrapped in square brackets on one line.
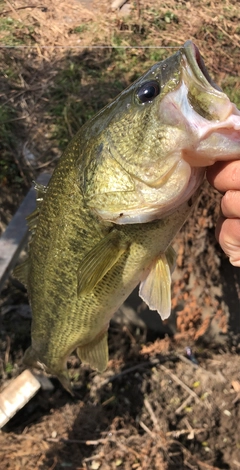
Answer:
[(148, 91)]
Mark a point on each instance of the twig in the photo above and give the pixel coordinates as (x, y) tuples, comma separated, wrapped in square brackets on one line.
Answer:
[(61, 439), (55, 461), (182, 384), (16, 119), (117, 4), (129, 334), (187, 361), (199, 462), (147, 430), (152, 414), (206, 465), (183, 405), (228, 35), (13, 10), (43, 165), (190, 429), (196, 366), (138, 9), (177, 433), (93, 457), (141, 365), (77, 441), (8, 347), (43, 8), (19, 166)]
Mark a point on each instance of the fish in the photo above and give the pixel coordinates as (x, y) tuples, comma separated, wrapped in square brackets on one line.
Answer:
[(120, 192)]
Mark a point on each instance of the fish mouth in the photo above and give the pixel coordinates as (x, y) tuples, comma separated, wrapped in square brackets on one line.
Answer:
[(218, 133), (198, 66)]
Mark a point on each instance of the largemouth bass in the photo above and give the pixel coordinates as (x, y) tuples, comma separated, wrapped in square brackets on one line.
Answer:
[(119, 194)]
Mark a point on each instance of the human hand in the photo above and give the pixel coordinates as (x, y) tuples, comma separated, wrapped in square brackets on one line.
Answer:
[(225, 177)]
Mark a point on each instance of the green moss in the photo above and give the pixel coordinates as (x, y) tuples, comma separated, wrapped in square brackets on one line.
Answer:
[(79, 29), (15, 33)]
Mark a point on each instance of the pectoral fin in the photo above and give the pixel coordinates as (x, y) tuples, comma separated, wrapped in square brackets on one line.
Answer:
[(171, 256), (155, 290), (95, 353), (99, 261)]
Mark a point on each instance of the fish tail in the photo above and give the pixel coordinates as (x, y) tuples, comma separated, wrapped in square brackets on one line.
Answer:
[(31, 359), (63, 377)]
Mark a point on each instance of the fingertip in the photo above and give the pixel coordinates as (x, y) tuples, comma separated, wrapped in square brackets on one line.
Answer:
[(230, 204), (235, 262), (228, 236), (214, 174), (224, 175)]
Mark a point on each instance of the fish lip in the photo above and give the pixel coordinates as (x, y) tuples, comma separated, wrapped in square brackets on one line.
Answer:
[(197, 65)]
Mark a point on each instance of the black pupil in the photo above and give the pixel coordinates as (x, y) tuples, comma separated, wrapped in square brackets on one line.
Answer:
[(148, 92)]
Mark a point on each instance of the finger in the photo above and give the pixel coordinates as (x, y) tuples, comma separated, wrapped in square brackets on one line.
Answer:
[(228, 235), (224, 175), (230, 204)]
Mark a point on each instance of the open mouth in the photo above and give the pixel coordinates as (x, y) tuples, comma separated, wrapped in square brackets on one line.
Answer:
[(197, 65)]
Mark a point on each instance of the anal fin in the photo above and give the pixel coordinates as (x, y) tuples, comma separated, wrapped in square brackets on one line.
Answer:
[(95, 353)]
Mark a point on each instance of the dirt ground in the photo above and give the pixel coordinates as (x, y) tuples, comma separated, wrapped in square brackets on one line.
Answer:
[(170, 398)]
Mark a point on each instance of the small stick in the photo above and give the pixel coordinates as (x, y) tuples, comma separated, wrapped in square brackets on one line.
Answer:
[(177, 433), (153, 362), (146, 429), (6, 358), (206, 465), (199, 462), (182, 406), (21, 8), (117, 4), (129, 334), (182, 384), (152, 414), (187, 361), (196, 366), (77, 441), (93, 457), (13, 10), (138, 9)]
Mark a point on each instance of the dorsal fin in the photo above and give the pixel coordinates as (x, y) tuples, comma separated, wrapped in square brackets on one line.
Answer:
[(32, 220), (21, 271), (33, 217)]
